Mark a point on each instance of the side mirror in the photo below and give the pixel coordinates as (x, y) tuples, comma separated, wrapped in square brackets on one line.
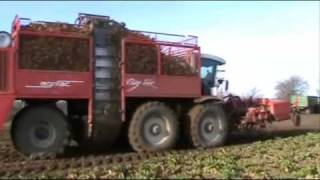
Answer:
[(227, 85), (220, 81)]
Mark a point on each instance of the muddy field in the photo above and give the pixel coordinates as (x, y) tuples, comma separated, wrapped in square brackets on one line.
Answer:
[(280, 151)]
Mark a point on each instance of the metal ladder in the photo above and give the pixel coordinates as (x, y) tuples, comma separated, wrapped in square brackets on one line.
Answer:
[(107, 116)]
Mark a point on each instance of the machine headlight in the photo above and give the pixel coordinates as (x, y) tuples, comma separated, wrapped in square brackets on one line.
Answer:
[(5, 39)]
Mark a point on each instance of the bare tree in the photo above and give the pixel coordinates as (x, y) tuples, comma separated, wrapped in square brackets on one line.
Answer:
[(253, 93), (295, 85)]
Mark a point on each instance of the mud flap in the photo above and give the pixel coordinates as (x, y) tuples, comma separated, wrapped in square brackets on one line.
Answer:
[(6, 104)]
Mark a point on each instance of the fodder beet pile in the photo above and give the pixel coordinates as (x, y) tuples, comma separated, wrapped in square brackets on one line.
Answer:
[(58, 27), (142, 59), (52, 52), (174, 65), (60, 53)]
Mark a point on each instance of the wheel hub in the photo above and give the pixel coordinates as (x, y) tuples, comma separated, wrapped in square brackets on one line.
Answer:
[(209, 127), (155, 129), (42, 135)]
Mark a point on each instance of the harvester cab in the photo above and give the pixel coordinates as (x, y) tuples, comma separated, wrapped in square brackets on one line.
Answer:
[(213, 84)]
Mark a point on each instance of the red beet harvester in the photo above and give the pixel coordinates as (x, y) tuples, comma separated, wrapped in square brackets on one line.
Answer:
[(102, 99)]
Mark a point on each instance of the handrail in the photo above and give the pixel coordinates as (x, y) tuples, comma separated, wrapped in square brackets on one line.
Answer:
[(184, 41), (93, 15), (17, 21), (178, 35)]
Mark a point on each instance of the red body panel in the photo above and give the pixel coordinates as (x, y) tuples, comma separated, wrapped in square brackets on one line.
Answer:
[(162, 86), (6, 104), (279, 108), (53, 84), (8, 74), (40, 84), (7, 96)]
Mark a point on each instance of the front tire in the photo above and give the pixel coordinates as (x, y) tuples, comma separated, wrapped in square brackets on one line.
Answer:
[(154, 127), (208, 126), (40, 130)]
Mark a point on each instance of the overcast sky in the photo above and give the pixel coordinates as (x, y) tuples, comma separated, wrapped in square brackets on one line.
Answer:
[(262, 42)]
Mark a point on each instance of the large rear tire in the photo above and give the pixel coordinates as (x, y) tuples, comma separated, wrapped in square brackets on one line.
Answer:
[(208, 126), (154, 127), (41, 130)]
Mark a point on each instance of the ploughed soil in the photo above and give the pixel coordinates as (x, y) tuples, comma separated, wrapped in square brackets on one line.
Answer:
[(279, 151)]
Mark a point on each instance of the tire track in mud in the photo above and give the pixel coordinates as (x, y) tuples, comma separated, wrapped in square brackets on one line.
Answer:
[(20, 166), (62, 165), (13, 164)]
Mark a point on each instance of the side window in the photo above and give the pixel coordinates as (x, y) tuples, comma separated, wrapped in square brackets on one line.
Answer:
[(54, 53), (206, 71)]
